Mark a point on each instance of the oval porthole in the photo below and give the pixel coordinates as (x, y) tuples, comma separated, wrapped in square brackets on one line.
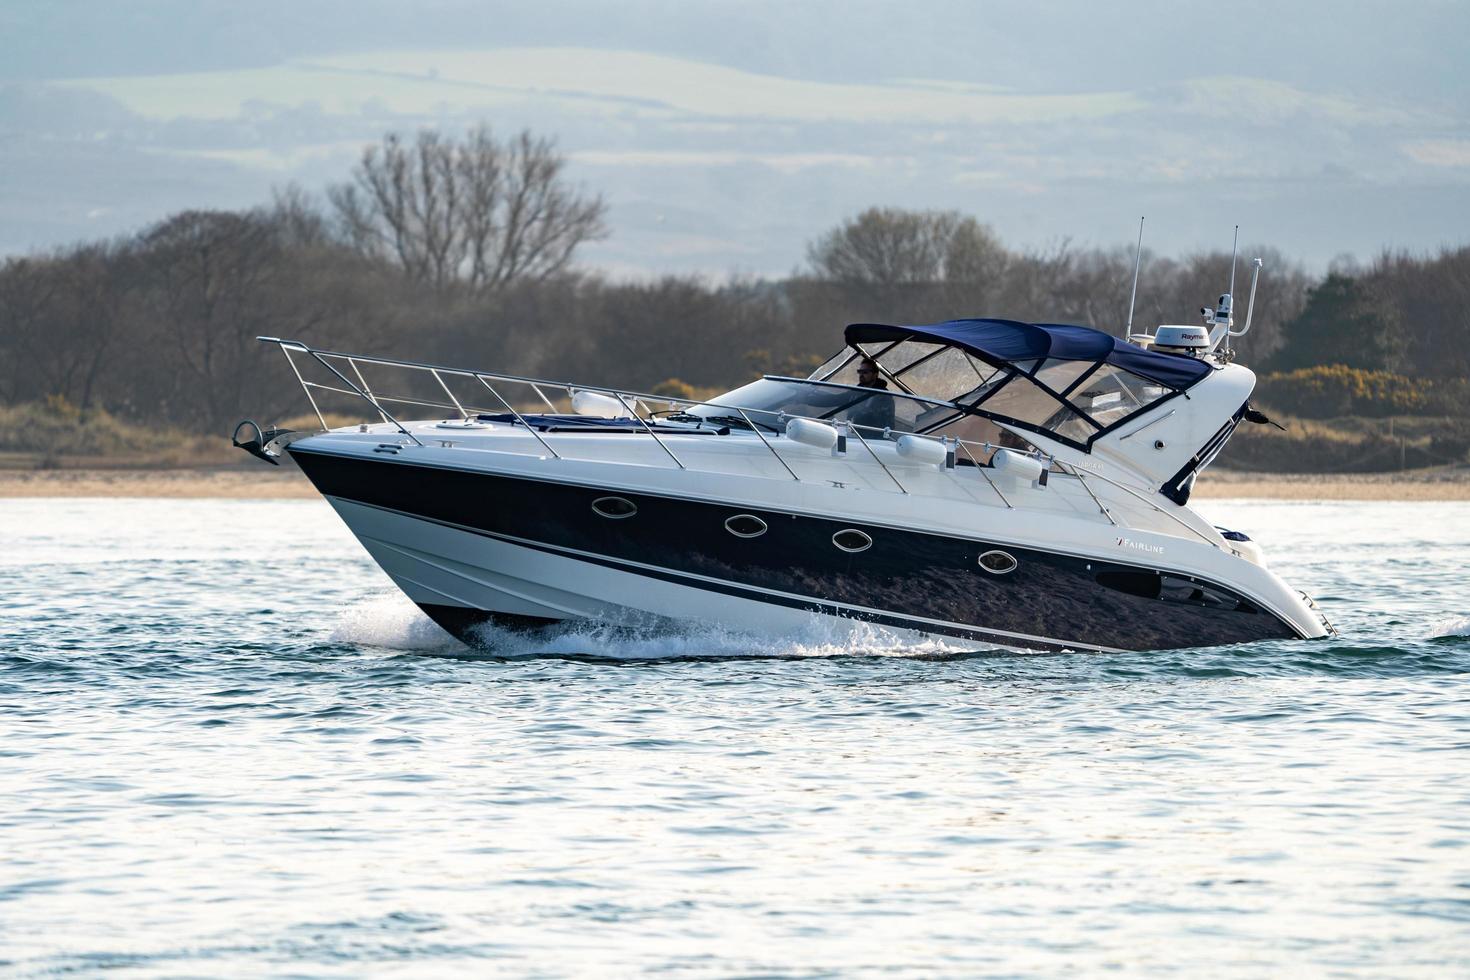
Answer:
[(998, 562), (852, 540), (615, 508), (745, 526)]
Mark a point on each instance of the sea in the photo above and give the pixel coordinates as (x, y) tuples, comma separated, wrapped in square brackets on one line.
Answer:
[(228, 748)]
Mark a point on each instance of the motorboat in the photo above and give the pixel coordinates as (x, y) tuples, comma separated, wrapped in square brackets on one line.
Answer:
[(1012, 484)]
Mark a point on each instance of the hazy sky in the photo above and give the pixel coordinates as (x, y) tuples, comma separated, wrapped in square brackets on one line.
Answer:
[(726, 135)]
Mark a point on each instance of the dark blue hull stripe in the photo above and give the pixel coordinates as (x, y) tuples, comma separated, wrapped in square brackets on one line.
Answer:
[(805, 604)]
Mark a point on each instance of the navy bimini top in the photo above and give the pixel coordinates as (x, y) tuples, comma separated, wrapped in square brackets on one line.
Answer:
[(1004, 342)]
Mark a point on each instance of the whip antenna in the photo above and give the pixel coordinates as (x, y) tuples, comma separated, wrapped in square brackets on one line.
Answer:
[(1219, 322), (1132, 297), (1234, 252), (1234, 256)]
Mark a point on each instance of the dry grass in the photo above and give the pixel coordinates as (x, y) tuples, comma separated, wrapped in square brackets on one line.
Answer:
[(1343, 446), (1439, 483), (56, 435)]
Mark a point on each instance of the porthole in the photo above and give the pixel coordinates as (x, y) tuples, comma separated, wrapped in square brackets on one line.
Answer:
[(998, 562), (745, 526), (852, 540), (614, 508)]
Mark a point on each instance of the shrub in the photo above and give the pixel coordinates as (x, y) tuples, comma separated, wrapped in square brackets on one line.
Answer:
[(1335, 390), (1314, 447), (56, 428), (1452, 443), (673, 388)]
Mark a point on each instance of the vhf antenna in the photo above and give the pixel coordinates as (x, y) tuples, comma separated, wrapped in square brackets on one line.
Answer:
[(1137, 262), (1219, 321), (1234, 254)]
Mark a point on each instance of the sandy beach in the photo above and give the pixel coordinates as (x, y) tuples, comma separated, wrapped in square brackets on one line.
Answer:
[(264, 483), (1443, 483), (254, 483)]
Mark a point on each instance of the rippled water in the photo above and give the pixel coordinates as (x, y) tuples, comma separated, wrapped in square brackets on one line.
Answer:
[(227, 747)]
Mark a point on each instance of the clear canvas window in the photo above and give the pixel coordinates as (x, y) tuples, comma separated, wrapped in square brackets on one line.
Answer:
[(1058, 375), (1110, 394), (1024, 401), (837, 368), (896, 359), (947, 375)]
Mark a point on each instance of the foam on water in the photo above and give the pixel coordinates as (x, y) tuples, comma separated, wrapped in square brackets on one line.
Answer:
[(391, 620), (673, 641), (1452, 626)]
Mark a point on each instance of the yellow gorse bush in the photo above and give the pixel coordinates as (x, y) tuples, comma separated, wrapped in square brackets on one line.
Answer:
[(1333, 390)]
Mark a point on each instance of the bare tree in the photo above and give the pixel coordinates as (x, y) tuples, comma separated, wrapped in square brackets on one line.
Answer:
[(62, 317), (1432, 294), (298, 218), (209, 272), (892, 247), (99, 279), (27, 288), (477, 211)]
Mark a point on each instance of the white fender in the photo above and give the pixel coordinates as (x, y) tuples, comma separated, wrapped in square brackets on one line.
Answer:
[(592, 403), (1019, 465), (818, 434), (922, 450)]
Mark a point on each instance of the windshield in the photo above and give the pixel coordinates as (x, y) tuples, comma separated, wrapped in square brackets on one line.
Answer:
[(766, 403)]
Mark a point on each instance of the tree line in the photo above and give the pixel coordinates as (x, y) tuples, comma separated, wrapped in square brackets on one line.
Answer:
[(462, 251)]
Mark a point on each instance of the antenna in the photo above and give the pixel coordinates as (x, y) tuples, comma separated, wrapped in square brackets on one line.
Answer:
[(1132, 297), (1220, 321), (1234, 255), (1234, 252)]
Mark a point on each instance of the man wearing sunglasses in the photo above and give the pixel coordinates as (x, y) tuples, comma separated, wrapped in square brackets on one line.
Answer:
[(874, 411)]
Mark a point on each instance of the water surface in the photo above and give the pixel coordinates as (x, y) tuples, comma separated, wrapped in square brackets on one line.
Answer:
[(228, 747)]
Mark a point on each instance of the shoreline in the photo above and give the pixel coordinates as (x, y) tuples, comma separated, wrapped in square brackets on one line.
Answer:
[(287, 483)]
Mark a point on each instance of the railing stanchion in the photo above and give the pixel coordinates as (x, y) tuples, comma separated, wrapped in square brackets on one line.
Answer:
[(363, 381), (539, 394), (1078, 474), (462, 413), (302, 381), (546, 445), (982, 472), (855, 431), (762, 437), (619, 396)]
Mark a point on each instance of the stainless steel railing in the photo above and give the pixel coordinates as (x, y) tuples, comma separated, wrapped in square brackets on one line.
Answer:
[(631, 400)]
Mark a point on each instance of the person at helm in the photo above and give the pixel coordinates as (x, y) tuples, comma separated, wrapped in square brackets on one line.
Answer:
[(875, 411)]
